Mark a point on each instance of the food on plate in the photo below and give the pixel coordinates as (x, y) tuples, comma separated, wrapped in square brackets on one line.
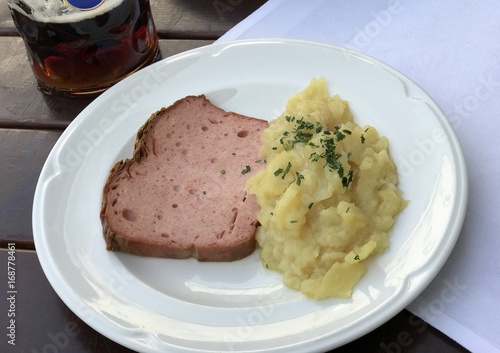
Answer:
[(183, 192), (328, 195)]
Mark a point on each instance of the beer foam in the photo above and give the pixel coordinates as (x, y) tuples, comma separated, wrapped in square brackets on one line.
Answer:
[(58, 11)]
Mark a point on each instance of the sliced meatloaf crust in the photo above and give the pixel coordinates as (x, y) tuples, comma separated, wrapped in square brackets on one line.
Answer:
[(183, 192)]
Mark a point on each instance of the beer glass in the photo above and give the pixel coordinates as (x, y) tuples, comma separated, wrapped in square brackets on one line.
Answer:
[(82, 47)]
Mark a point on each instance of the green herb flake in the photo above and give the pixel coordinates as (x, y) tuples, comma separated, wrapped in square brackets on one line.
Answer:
[(246, 170), (287, 169), (339, 134), (258, 160), (357, 258), (314, 157), (348, 208), (278, 171), (362, 137), (222, 171), (310, 205), (286, 145), (294, 221), (346, 180), (299, 179)]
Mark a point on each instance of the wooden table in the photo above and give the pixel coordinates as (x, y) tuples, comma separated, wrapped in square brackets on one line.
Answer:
[(30, 124)]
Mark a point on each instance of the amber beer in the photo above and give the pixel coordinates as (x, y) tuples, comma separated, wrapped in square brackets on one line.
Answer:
[(82, 52)]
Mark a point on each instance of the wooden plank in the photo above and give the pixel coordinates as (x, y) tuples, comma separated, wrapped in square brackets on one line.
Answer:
[(22, 155), (22, 103), (23, 106), (408, 333), (180, 19), (6, 23), (208, 19), (43, 323)]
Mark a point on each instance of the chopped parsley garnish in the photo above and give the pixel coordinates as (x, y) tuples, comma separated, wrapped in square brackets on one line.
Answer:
[(299, 179), (303, 132), (294, 221), (287, 169), (223, 171), (314, 157), (310, 205), (246, 170), (362, 137), (286, 145), (340, 135)]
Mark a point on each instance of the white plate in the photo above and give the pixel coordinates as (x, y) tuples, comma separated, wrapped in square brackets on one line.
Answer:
[(160, 305)]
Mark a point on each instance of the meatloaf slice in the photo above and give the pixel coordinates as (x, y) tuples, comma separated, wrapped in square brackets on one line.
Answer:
[(183, 192)]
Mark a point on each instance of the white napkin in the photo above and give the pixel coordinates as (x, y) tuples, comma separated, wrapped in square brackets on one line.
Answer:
[(451, 48)]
